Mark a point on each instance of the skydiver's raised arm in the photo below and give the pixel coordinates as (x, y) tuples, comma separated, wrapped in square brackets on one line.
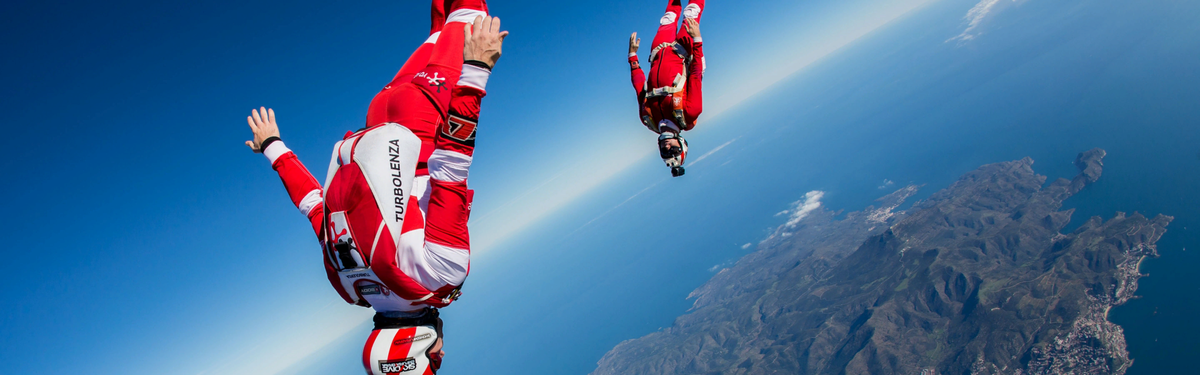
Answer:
[(637, 76), (304, 190), (694, 98)]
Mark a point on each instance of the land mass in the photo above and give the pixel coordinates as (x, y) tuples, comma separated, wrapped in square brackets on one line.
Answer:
[(977, 279)]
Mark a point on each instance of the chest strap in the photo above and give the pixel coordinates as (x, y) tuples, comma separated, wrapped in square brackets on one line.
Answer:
[(675, 46), (676, 87)]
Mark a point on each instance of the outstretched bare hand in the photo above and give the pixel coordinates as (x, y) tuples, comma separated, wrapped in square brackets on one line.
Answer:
[(484, 40), (693, 27), (634, 43), (262, 124)]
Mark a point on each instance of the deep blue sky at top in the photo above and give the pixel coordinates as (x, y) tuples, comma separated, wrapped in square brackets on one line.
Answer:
[(141, 222)]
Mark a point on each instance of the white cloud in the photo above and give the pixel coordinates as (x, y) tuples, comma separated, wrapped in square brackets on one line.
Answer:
[(714, 150), (803, 207), (746, 246), (772, 236), (976, 17), (886, 184), (610, 210)]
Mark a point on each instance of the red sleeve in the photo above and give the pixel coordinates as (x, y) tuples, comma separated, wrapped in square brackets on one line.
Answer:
[(449, 210), (694, 97), (450, 199), (302, 187), (637, 76), (639, 86), (307, 195)]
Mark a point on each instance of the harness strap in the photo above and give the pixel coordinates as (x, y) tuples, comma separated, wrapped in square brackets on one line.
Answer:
[(675, 90), (676, 87), (675, 46), (453, 295), (427, 317)]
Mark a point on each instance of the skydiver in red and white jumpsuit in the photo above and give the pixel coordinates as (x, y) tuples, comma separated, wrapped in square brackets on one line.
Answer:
[(670, 101), (392, 216)]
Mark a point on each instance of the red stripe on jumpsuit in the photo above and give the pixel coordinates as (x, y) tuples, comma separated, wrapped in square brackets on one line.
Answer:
[(367, 351)]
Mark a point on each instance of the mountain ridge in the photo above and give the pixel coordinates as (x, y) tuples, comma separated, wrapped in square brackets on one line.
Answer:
[(975, 279)]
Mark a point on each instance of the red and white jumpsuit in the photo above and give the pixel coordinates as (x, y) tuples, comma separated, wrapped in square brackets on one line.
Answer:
[(374, 173), (392, 216), (671, 99), (380, 249), (408, 259)]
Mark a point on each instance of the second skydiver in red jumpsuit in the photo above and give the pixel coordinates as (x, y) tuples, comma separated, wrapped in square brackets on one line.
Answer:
[(671, 99)]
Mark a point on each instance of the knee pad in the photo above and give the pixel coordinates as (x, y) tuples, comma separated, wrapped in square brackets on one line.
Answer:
[(691, 11), (668, 19)]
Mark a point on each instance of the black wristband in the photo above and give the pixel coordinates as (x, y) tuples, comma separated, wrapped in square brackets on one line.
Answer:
[(267, 142), (477, 63)]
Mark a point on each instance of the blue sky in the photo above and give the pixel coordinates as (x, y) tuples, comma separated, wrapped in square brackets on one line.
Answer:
[(151, 238)]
